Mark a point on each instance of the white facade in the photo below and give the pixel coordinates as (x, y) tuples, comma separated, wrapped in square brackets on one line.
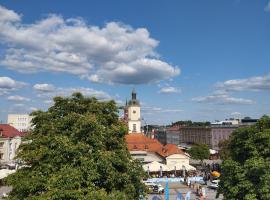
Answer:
[(8, 148), (21, 122), (177, 160), (134, 119)]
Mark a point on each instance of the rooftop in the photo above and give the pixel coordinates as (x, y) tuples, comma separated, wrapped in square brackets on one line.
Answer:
[(9, 131)]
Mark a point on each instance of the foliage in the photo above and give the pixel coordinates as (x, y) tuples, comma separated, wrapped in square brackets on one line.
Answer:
[(77, 151), (190, 123), (199, 152), (246, 174), (224, 149)]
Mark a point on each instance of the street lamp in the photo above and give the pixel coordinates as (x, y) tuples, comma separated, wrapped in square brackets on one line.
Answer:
[(160, 171), (184, 170)]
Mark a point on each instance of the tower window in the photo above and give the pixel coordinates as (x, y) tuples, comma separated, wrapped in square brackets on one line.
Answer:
[(134, 128), (134, 111)]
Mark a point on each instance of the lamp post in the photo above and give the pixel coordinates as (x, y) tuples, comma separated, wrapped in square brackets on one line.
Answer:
[(160, 171), (184, 170), (148, 170)]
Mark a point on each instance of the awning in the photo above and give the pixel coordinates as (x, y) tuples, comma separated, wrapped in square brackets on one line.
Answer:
[(5, 172), (180, 167), (155, 167)]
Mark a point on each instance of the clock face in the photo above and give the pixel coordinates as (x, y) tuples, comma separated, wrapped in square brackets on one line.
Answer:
[(134, 111)]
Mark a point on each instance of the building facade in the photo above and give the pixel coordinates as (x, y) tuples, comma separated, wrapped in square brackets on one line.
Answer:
[(10, 140), (195, 135), (21, 122), (132, 114)]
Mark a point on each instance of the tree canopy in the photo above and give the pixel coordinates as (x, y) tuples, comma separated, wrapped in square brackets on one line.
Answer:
[(191, 123), (199, 152), (246, 172), (76, 150)]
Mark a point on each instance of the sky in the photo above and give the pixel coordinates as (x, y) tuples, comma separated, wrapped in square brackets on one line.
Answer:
[(187, 60)]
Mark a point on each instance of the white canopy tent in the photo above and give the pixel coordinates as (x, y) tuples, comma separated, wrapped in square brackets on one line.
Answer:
[(155, 167), (180, 167), (5, 172)]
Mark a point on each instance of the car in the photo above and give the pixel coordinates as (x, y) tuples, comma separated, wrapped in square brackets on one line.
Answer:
[(154, 188), (214, 184)]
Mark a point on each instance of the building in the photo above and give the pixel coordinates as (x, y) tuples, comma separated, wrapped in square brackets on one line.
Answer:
[(220, 133), (10, 139), (132, 114), (195, 135), (173, 135), (161, 135), (21, 122), (148, 150)]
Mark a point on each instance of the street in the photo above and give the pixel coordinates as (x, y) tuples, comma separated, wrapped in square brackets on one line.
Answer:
[(176, 188)]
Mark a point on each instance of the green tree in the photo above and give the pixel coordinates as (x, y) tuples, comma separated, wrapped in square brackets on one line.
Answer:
[(224, 149), (199, 152), (77, 150), (246, 172)]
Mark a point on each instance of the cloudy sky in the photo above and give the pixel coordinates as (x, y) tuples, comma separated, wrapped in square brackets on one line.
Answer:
[(197, 60)]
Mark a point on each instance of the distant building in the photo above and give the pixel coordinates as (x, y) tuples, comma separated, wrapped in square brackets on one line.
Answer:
[(10, 139), (161, 135), (132, 114), (21, 122)]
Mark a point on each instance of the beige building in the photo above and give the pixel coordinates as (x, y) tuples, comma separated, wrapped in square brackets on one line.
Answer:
[(10, 140), (133, 114), (21, 122)]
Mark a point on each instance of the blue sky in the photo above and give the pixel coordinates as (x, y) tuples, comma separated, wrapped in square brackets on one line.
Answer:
[(197, 60)]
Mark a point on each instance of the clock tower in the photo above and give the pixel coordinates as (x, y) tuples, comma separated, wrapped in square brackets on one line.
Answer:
[(133, 112)]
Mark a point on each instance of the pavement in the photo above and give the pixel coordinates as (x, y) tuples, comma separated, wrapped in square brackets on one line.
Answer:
[(4, 189), (175, 188)]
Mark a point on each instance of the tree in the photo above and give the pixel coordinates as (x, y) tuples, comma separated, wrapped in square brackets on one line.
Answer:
[(224, 151), (199, 152), (246, 172), (77, 150)]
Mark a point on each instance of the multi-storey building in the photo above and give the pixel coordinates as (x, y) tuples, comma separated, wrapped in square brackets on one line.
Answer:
[(21, 122), (195, 135)]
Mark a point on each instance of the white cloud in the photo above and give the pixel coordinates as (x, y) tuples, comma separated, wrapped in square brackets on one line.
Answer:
[(44, 87), (18, 98), (235, 113), (169, 89), (267, 8), (115, 53), (221, 98), (152, 110), (59, 91), (256, 83), (8, 85)]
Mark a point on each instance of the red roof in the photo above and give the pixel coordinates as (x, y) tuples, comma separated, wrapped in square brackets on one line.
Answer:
[(139, 142), (9, 131), (170, 149)]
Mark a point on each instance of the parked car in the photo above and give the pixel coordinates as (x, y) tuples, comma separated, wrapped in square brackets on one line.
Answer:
[(154, 188), (214, 184)]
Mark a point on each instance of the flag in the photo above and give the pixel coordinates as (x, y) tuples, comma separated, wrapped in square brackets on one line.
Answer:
[(167, 190)]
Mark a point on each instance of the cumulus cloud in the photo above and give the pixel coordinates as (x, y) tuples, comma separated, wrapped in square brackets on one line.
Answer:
[(8, 85), (256, 83), (18, 98), (44, 87), (115, 53), (60, 91), (221, 98), (168, 90)]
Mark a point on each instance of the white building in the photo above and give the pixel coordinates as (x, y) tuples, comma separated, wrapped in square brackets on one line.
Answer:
[(10, 140), (21, 122), (133, 114)]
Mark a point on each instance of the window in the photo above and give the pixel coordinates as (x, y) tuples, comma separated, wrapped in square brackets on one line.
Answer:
[(134, 111), (1, 144), (1, 156), (134, 128)]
